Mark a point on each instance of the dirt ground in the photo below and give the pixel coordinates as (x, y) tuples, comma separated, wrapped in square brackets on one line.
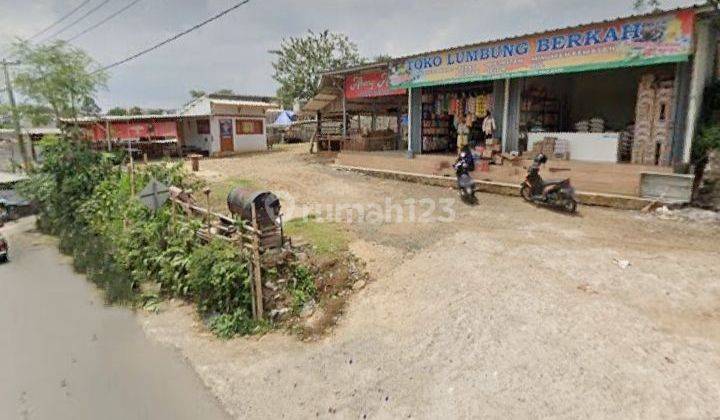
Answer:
[(508, 311)]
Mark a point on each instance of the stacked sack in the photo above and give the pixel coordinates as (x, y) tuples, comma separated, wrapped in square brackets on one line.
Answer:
[(582, 126), (663, 120), (653, 122), (597, 125), (625, 145), (643, 151)]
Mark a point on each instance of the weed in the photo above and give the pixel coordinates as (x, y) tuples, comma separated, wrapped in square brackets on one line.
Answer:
[(303, 287), (326, 238), (228, 325)]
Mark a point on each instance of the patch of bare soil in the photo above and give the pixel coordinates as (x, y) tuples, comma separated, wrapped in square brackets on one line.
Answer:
[(306, 293), (509, 310)]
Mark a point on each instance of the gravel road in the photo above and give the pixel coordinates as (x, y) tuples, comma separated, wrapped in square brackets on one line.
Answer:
[(508, 311)]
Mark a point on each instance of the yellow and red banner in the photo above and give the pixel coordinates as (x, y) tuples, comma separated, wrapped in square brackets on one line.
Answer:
[(646, 40)]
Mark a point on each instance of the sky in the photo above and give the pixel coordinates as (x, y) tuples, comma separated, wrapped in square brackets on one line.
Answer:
[(233, 53)]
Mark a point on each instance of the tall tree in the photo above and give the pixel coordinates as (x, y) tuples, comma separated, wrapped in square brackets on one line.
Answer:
[(641, 5), (59, 77), (195, 93), (224, 92), (300, 60), (117, 111), (34, 115)]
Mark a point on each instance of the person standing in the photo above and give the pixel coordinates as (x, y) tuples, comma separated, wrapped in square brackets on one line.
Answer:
[(463, 132), (489, 126)]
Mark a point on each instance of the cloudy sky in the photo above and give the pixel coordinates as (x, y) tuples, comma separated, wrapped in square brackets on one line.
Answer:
[(232, 52)]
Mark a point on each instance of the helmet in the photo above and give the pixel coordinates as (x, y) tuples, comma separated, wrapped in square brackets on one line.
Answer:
[(540, 159)]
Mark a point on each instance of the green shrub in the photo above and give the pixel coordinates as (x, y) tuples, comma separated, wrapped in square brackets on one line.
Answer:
[(86, 199), (218, 279), (229, 325)]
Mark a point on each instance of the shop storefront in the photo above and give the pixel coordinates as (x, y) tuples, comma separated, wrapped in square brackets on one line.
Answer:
[(356, 109), (622, 91)]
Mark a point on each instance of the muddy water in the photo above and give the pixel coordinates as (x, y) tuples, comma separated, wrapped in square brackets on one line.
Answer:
[(65, 355)]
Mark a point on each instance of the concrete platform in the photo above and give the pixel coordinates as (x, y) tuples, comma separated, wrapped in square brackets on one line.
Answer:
[(623, 202), (597, 177)]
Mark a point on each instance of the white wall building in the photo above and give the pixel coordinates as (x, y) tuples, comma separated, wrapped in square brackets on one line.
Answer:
[(225, 124)]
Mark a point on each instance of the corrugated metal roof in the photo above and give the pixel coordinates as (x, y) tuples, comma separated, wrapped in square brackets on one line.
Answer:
[(235, 102), (32, 130), (353, 69), (698, 8), (319, 101), (112, 118)]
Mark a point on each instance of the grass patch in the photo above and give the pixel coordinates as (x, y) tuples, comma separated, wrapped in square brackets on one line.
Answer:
[(326, 238), (220, 190)]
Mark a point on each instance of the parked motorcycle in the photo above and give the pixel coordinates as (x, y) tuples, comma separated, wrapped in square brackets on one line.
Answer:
[(465, 183), (3, 249), (559, 194)]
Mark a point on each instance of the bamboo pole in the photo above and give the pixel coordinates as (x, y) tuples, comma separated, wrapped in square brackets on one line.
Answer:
[(257, 266)]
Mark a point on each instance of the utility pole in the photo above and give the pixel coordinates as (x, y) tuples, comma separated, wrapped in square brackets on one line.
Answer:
[(15, 116)]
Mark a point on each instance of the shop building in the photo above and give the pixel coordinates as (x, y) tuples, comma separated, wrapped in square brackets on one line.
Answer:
[(618, 97), (349, 96), (621, 91), (226, 124)]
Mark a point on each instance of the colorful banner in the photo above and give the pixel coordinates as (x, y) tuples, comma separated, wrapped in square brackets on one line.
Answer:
[(369, 85), (628, 42)]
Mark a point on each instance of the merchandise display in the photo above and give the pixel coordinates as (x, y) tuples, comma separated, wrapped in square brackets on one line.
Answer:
[(442, 114), (540, 110)]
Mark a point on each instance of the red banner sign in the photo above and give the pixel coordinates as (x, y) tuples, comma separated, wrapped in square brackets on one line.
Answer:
[(369, 85), (136, 129)]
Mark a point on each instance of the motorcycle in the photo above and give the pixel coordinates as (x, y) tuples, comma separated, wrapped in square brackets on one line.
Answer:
[(557, 193), (465, 183), (3, 249)]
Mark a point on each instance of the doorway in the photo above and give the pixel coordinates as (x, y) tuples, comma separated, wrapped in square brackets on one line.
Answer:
[(226, 136)]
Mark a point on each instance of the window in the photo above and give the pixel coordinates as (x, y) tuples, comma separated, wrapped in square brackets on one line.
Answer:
[(244, 127), (203, 126)]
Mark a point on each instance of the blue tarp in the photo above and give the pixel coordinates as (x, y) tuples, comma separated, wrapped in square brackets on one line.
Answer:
[(285, 118)]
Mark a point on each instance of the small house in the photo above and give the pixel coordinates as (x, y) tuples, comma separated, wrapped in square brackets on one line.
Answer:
[(225, 124)]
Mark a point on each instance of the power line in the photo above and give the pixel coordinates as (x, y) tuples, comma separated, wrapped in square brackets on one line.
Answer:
[(65, 16), (57, 22), (173, 38), (76, 21), (102, 21)]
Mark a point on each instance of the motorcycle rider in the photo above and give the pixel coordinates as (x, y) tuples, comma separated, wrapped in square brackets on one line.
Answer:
[(467, 157), (539, 189)]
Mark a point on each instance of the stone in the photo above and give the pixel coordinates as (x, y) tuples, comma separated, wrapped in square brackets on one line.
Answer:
[(708, 194), (358, 285), (308, 308), (624, 264), (270, 285), (278, 313)]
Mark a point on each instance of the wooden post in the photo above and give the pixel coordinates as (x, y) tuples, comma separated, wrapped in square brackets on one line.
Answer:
[(206, 191), (107, 135), (131, 168), (256, 265)]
